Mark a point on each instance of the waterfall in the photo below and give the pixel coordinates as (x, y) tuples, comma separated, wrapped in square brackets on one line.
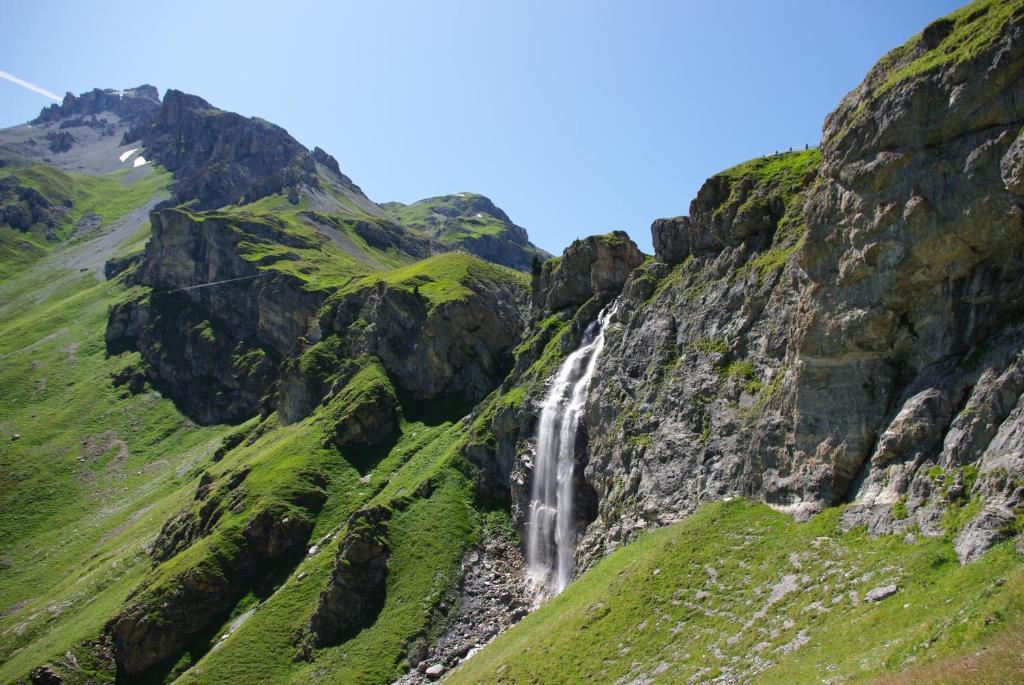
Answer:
[(551, 531)]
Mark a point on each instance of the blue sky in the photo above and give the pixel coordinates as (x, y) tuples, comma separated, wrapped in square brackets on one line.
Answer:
[(576, 117)]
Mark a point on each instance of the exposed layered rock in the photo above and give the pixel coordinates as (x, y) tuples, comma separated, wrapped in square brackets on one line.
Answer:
[(220, 158), (215, 350), (917, 280), (878, 363), (830, 326), (134, 105), (688, 397), (387, 236), (355, 592), (458, 349)]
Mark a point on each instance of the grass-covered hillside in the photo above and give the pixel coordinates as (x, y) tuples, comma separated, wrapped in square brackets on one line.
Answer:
[(323, 239), (442, 278), (470, 222), (427, 537), (741, 593), (116, 503), (89, 470), (41, 207), (452, 218)]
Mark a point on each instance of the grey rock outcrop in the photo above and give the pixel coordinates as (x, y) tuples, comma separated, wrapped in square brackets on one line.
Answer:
[(825, 326), (862, 365), (879, 593), (916, 290), (214, 350), (220, 158), (355, 592), (134, 105), (594, 266)]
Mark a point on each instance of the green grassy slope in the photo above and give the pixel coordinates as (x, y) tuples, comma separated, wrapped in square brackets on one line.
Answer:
[(282, 237), (89, 482), (741, 590), (446, 277), (109, 197), (468, 221), (95, 472), (441, 218), (427, 535)]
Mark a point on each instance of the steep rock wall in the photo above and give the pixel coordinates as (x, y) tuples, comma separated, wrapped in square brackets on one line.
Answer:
[(826, 326), (915, 254), (876, 359), (215, 350)]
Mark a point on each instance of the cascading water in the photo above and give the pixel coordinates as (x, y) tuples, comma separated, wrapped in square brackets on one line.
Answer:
[(551, 532)]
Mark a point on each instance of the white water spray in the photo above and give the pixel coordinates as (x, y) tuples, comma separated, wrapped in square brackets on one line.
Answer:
[(551, 532)]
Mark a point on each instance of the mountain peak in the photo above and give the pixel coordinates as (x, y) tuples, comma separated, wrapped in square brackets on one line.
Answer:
[(470, 222), (129, 103)]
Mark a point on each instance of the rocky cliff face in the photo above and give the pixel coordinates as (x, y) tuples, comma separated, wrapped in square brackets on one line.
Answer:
[(214, 349), (825, 326), (134, 105), (593, 267), (433, 344), (914, 258), (220, 158)]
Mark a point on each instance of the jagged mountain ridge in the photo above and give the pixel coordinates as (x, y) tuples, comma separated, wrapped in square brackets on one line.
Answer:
[(353, 527), (221, 159), (289, 226)]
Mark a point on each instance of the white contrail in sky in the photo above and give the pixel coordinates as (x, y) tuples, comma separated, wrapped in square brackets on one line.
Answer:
[(31, 86)]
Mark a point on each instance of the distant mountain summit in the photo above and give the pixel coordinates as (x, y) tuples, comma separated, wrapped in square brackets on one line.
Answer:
[(473, 223), (134, 103), (221, 159)]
